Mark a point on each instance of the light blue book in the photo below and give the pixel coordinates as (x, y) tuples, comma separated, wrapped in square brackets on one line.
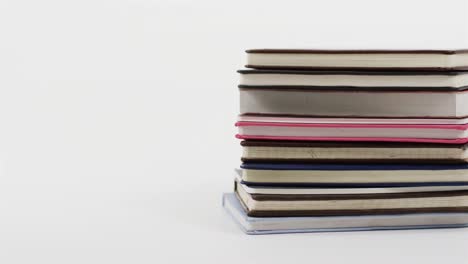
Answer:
[(278, 225)]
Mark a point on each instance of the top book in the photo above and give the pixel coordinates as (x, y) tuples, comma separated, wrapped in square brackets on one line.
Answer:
[(410, 60)]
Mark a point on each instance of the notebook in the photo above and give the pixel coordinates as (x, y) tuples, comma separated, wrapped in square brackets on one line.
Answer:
[(287, 102), (338, 174), (350, 120), (354, 80), (282, 130), (278, 205), (339, 191), (434, 60), (270, 151), (278, 225)]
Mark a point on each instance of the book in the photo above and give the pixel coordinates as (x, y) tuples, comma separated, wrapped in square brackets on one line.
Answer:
[(351, 120), (284, 130), (354, 80), (434, 60), (277, 205), (339, 191), (274, 151), (278, 225), (286, 102), (339, 174)]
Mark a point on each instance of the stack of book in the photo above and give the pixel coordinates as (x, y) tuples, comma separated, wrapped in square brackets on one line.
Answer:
[(339, 140)]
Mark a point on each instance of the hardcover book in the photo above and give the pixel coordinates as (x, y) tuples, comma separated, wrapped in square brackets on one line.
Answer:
[(366, 203), (278, 225), (339, 174), (431, 60), (275, 151), (367, 131), (354, 80), (287, 102)]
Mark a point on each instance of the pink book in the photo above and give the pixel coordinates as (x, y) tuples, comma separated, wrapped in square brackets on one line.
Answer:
[(451, 131)]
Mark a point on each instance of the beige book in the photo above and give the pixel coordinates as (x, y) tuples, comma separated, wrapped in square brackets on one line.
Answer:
[(277, 151)]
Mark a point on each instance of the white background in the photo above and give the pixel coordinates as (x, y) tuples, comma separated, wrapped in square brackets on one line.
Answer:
[(117, 136)]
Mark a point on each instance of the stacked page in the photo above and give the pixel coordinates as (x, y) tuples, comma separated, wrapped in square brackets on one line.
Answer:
[(340, 140)]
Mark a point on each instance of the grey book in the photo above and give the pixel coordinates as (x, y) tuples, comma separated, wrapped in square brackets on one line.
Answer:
[(277, 225)]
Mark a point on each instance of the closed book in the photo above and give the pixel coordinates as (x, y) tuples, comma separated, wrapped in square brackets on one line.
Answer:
[(409, 60), (277, 225), (365, 203), (290, 151), (340, 174)]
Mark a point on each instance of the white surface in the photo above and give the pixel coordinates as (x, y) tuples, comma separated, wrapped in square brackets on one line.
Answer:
[(92, 95)]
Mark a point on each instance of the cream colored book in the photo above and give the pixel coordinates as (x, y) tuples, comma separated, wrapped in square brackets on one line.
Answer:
[(352, 204), (370, 152), (435, 60), (338, 173), (353, 79)]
